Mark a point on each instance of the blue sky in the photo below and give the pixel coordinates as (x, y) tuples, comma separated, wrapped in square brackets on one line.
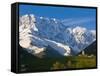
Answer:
[(70, 16)]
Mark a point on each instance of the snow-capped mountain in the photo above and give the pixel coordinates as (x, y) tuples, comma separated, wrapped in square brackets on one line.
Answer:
[(37, 33)]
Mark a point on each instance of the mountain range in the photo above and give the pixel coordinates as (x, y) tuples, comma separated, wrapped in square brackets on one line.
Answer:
[(40, 34)]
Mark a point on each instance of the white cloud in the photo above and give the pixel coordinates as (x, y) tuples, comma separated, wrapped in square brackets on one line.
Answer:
[(74, 21)]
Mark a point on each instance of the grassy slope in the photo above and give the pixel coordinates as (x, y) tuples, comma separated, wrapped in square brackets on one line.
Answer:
[(29, 62)]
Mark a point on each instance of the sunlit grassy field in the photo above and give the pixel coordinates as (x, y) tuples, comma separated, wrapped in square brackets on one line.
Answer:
[(29, 62)]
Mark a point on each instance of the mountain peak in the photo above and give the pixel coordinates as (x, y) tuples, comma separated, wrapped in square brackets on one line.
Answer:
[(37, 33)]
